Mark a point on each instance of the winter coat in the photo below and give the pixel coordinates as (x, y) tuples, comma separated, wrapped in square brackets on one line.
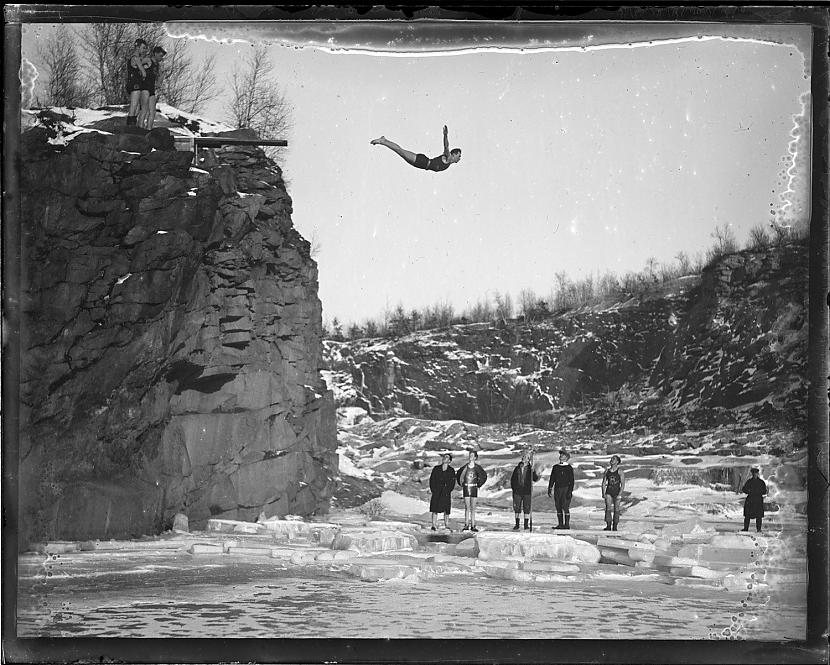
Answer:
[(521, 482), (481, 475), (441, 484), (754, 488), (561, 476)]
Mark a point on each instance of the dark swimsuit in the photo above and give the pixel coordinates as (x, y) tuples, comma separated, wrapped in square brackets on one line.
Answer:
[(149, 83), (434, 164), (134, 80), (613, 483)]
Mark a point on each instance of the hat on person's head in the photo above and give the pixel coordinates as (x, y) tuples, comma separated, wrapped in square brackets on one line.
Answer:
[(755, 469), (447, 455)]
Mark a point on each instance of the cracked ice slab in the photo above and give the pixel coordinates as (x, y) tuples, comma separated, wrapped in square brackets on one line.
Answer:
[(530, 546), (371, 540)]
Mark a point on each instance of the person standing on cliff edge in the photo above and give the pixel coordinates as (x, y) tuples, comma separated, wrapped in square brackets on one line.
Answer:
[(419, 160)]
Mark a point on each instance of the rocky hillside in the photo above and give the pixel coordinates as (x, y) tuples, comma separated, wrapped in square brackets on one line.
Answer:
[(724, 347), (171, 338)]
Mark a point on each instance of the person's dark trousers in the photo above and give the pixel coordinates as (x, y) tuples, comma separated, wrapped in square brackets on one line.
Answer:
[(562, 500), (746, 524)]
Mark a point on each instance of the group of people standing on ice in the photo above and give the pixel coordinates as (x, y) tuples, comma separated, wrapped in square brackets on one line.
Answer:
[(471, 476), (143, 69)]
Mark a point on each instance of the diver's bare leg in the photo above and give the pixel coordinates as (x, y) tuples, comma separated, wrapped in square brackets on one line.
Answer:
[(407, 155)]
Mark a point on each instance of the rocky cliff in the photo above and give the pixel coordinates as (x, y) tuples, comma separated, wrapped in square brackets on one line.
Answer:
[(725, 346), (171, 340)]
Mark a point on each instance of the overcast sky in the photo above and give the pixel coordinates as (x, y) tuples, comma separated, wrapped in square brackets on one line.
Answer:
[(575, 161)]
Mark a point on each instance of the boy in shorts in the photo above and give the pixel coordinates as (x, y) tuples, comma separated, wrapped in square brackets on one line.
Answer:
[(471, 476)]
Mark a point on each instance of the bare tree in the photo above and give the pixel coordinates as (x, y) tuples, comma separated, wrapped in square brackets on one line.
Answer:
[(315, 244), (106, 47), (504, 306), (67, 85), (651, 267), (256, 100), (527, 303), (758, 238), (684, 262), (725, 242), (182, 83)]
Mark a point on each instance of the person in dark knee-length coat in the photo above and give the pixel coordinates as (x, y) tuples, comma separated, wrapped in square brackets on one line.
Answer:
[(755, 489), (441, 484)]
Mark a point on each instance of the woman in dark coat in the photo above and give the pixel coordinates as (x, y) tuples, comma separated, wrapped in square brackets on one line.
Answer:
[(441, 484), (755, 489)]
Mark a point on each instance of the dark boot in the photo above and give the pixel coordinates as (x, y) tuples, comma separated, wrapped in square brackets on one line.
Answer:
[(516, 528), (607, 526), (614, 526), (560, 525), (746, 524), (567, 520), (527, 524), (758, 521)]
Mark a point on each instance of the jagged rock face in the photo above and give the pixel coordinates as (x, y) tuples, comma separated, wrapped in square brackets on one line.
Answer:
[(479, 374), (743, 341), (170, 342), (734, 338)]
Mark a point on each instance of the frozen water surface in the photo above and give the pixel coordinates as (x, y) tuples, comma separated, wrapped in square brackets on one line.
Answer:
[(155, 594)]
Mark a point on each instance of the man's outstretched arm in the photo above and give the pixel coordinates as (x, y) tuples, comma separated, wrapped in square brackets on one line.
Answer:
[(446, 143)]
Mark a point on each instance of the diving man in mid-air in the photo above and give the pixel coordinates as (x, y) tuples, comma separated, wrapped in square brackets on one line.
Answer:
[(421, 161)]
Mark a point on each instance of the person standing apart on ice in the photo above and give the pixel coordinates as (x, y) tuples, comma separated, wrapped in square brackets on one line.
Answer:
[(755, 489), (471, 476), (613, 483), (561, 483), (137, 65), (419, 160), (441, 484), (521, 482)]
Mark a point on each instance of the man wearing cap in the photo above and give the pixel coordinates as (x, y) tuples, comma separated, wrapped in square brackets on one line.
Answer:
[(441, 484), (755, 489)]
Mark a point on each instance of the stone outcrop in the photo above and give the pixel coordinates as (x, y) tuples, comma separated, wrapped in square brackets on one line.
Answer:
[(694, 355), (480, 374), (170, 341), (743, 340), (701, 354)]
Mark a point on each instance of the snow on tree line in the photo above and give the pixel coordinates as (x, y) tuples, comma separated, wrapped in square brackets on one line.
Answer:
[(566, 294)]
